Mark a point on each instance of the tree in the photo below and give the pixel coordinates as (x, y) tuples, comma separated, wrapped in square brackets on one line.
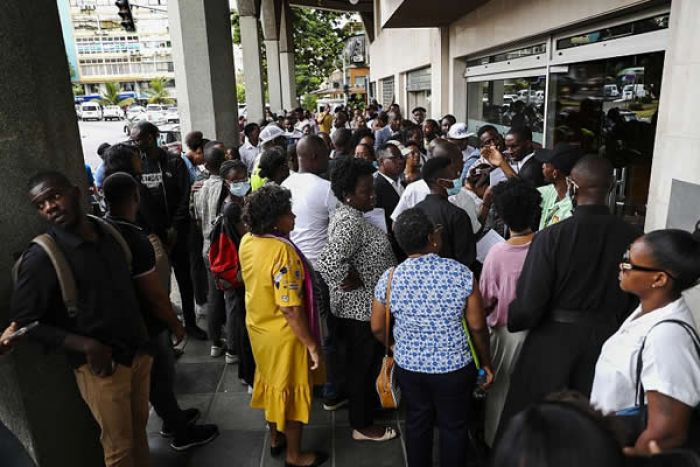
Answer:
[(110, 96), (240, 92), (78, 89), (309, 102), (157, 93), (319, 40)]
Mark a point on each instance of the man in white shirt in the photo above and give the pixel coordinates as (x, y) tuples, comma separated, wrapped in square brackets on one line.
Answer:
[(250, 149), (313, 202), (418, 190)]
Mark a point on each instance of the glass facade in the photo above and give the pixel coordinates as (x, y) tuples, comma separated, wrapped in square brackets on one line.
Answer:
[(507, 103)]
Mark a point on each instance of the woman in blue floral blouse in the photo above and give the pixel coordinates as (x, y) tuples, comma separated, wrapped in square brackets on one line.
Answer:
[(429, 298)]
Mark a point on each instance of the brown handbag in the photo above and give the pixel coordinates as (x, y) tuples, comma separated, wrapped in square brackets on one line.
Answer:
[(389, 392)]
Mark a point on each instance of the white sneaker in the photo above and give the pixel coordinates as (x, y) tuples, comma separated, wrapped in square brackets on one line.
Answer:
[(216, 351), (250, 389), (231, 358)]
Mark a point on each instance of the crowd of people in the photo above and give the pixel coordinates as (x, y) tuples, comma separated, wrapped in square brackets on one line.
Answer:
[(525, 319)]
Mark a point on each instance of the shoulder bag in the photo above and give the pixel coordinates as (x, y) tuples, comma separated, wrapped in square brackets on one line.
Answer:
[(387, 388)]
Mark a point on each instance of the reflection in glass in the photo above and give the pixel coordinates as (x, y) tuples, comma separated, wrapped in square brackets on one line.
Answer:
[(507, 103), (609, 107)]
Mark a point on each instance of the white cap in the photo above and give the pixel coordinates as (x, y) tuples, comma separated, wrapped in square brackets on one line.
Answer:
[(270, 132), (459, 131), (403, 149)]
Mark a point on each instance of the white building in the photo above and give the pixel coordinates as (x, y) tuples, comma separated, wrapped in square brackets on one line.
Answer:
[(107, 53)]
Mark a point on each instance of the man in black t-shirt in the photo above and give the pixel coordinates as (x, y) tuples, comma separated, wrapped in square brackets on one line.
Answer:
[(105, 338), (121, 192)]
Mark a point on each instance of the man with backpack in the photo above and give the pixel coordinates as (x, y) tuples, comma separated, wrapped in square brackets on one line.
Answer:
[(76, 281), (121, 193)]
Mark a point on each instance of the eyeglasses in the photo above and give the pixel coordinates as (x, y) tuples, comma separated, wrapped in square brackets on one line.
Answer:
[(627, 265)]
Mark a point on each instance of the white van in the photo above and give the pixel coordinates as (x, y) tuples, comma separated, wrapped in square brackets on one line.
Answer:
[(156, 113), (633, 91), (90, 111)]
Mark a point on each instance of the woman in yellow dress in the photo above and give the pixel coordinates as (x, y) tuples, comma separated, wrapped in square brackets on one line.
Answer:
[(281, 321)]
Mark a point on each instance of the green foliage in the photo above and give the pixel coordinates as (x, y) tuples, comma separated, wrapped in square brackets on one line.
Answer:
[(319, 39), (156, 92), (78, 89), (309, 102), (240, 92), (110, 96)]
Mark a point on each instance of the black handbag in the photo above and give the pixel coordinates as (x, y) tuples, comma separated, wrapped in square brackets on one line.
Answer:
[(632, 423)]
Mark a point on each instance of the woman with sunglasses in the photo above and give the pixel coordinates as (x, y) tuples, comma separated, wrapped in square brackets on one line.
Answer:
[(657, 268)]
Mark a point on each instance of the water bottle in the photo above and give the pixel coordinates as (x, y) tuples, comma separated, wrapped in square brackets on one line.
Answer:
[(479, 392)]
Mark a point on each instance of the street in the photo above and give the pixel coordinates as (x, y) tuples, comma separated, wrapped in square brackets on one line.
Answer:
[(93, 133)]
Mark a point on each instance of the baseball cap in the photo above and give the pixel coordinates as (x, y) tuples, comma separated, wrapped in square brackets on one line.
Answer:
[(459, 131), (270, 132), (563, 157), (404, 150)]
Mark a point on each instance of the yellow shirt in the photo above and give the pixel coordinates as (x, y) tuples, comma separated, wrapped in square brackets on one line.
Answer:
[(324, 123)]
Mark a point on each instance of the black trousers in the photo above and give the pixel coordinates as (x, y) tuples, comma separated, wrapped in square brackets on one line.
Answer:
[(162, 396), (335, 381), (363, 355), (437, 399), (554, 357), (216, 313), (235, 326), (198, 270), (180, 260)]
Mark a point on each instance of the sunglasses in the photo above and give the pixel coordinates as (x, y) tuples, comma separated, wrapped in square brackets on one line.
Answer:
[(628, 265)]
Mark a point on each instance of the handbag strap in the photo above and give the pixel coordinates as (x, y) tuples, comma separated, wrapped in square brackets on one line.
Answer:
[(639, 395), (388, 312)]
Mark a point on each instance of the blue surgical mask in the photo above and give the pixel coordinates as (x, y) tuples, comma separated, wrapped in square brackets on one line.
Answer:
[(375, 164), (239, 189), (456, 187)]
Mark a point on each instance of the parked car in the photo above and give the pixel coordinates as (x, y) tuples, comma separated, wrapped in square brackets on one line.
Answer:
[(130, 122), (112, 112), (90, 111), (611, 90), (172, 115), (633, 91), (155, 113), (169, 133), (134, 110)]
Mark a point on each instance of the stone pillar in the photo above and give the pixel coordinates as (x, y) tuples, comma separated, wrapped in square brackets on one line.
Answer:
[(204, 71), (249, 11), (288, 75), (271, 18), (674, 191), (39, 400), (440, 72)]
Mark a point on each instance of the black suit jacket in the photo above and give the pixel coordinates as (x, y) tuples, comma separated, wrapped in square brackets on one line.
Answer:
[(387, 199), (531, 172)]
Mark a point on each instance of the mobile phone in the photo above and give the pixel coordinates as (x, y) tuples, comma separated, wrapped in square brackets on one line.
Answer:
[(23, 330)]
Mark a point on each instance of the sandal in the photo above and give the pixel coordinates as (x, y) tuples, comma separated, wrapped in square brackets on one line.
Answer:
[(320, 457), (389, 434)]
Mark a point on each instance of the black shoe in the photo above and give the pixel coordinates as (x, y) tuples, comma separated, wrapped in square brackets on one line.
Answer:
[(279, 449), (191, 416), (197, 435), (319, 458), (177, 353), (334, 404), (196, 332)]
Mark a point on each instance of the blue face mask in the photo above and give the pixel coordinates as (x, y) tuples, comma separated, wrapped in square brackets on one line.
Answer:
[(239, 189), (375, 164), (456, 187)]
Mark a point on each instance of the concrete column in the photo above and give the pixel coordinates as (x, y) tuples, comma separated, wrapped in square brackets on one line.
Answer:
[(204, 71), (274, 75), (288, 77), (270, 20), (457, 103), (674, 191), (39, 400), (440, 72), (250, 43)]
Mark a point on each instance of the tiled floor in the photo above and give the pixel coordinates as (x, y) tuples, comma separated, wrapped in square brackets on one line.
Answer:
[(213, 387)]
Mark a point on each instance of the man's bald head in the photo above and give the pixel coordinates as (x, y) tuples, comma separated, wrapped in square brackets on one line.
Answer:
[(592, 180), (593, 172), (444, 148), (312, 153)]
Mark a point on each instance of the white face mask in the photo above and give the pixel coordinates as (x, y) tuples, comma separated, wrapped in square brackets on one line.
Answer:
[(239, 189)]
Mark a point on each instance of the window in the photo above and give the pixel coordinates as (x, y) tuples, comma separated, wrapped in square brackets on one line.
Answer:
[(506, 103), (509, 55), (653, 23), (388, 95)]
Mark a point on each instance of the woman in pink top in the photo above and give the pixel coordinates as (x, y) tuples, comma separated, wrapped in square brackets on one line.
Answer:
[(518, 204)]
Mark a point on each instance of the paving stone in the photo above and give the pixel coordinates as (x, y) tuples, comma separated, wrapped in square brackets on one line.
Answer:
[(197, 378), (351, 453)]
